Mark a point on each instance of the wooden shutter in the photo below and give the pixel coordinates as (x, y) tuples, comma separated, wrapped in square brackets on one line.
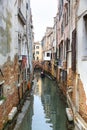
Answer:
[(74, 51)]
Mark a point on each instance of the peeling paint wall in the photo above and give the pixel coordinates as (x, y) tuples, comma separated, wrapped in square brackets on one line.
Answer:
[(7, 30), (11, 72)]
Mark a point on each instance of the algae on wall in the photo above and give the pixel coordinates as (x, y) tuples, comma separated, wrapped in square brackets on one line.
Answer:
[(5, 31)]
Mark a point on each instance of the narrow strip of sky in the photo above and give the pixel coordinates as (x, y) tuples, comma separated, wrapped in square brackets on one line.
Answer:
[(43, 12)]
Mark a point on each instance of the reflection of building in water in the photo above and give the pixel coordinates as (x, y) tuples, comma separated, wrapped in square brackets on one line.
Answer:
[(50, 113), (38, 89), (47, 105), (52, 106)]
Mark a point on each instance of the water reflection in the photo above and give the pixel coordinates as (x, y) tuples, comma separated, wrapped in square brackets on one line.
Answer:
[(54, 106), (47, 110)]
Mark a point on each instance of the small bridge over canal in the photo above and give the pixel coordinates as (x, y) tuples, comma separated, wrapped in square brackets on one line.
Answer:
[(38, 64)]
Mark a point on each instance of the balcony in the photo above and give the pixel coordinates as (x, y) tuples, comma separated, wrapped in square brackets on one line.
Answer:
[(20, 15)]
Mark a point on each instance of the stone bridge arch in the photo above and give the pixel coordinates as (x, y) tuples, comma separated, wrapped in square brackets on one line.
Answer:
[(37, 64)]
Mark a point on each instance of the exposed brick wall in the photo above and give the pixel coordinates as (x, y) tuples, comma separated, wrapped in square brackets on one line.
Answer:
[(82, 101), (71, 81), (69, 78), (10, 72), (1, 117), (73, 94), (58, 75), (78, 86), (6, 107)]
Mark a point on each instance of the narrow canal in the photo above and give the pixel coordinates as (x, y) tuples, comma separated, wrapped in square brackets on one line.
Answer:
[(47, 108)]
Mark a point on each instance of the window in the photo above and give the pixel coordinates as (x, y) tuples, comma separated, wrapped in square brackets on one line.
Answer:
[(37, 52), (25, 75), (37, 58), (69, 7), (64, 75), (60, 53), (60, 8), (48, 54), (74, 50), (64, 50), (19, 47), (62, 1), (37, 47), (27, 6), (66, 17), (62, 29), (51, 55), (33, 55), (67, 45), (1, 91)]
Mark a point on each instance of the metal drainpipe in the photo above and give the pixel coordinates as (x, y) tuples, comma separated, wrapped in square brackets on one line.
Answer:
[(18, 89)]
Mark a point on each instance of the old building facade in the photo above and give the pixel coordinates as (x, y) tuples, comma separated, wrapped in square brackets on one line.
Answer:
[(37, 51), (47, 47), (68, 55), (15, 59), (72, 57)]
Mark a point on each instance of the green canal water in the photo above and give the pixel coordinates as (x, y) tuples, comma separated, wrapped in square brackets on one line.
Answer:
[(47, 108)]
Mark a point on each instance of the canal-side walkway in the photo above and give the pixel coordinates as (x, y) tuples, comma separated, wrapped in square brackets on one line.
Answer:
[(22, 108), (22, 114)]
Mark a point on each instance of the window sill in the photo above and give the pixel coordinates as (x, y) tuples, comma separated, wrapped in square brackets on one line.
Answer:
[(68, 51)]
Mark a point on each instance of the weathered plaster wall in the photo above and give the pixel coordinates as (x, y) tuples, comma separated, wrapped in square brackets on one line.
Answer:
[(81, 44), (7, 30), (8, 61)]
